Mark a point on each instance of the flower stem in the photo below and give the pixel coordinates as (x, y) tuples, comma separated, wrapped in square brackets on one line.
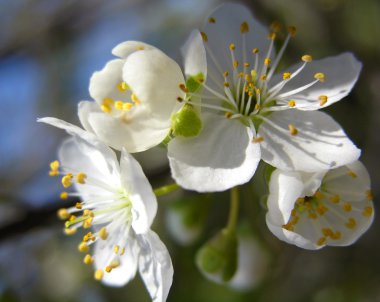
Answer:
[(166, 189), (234, 210)]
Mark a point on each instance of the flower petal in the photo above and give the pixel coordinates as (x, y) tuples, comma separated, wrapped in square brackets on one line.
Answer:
[(137, 133), (155, 78), (84, 110), (320, 143), (144, 203), (341, 74), (194, 55), (223, 27), (104, 83), (124, 49), (126, 271), (221, 157), (155, 266)]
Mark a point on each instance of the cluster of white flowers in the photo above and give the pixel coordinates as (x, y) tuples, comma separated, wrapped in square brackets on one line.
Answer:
[(225, 112)]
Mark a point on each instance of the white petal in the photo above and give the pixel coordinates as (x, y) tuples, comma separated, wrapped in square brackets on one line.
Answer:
[(97, 161), (104, 254), (124, 49), (221, 157), (341, 74), (311, 182), (226, 30), (155, 79), (284, 189), (155, 266), (194, 55), (84, 110), (144, 203), (320, 144), (70, 128), (136, 134), (103, 83)]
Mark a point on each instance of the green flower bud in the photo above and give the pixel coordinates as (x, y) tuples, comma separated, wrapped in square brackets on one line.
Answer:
[(217, 259), (186, 122)]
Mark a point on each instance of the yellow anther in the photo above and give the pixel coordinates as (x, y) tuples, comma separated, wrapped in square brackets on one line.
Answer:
[(183, 88), (272, 36), (88, 213), (300, 201), (211, 20), (69, 231), (275, 26), (226, 84), (369, 195), (88, 259), (368, 211), (312, 216), (87, 237), (257, 139), (122, 86), (63, 214), (292, 103), (232, 46), (64, 195), (179, 99), (257, 106), (127, 106), (292, 30), (336, 236), (307, 58), (247, 77), (321, 209), (114, 264), (351, 223), (246, 64), (87, 223), (292, 129), (347, 207), (267, 61), (319, 195), (106, 108), (228, 115), (135, 99), (122, 251), (255, 50), (236, 64), (78, 205), (54, 165), (244, 27), (204, 36), (53, 173), (83, 247), (322, 99), (119, 105), (288, 226), (321, 241), (72, 217), (240, 74), (352, 174), (263, 77), (286, 75), (98, 275), (116, 249), (335, 199), (81, 178), (106, 105), (225, 74), (327, 232), (320, 76), (103, 234), (67, 180), (108, 269)]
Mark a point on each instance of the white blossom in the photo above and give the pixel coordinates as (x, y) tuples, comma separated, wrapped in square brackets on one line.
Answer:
[(117, 209), (250, 113), (312, 210)]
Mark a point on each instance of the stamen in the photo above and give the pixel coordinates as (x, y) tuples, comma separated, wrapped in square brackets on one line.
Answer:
[(183, 88), (83, 247), (81, 178), (204, 36), (135, 99), (307, 58), (292, 103), (351, 223), (87, 223), (335, 199), (320, 76), (352, 174), (257, 139), (244, 27), (368, 211), (63, 214), (127, 106), (88, 259), (78, 205), (106, 105), (103, 233), (292, 30), (116, 249), (211, 20), (369, 195), (122, 86), (292, 129), (69, 232), (275, 26), (64, 195), (286, 75), (322, 100), (54, 165), (98, 275)]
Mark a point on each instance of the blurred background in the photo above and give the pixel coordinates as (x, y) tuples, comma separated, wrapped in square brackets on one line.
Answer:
[(48, 51)]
